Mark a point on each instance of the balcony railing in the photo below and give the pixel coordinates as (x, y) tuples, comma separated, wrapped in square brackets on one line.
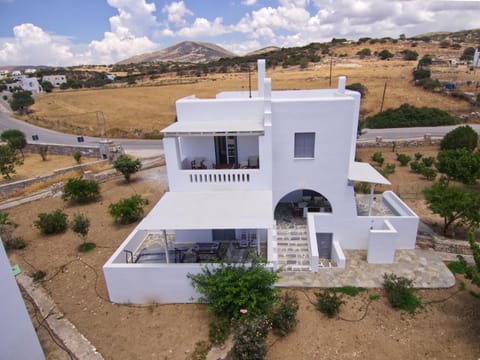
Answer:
[(220, 176)]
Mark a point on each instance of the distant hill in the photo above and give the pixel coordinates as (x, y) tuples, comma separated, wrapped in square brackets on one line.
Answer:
[(263, 50), (465, 36), (186, 51)]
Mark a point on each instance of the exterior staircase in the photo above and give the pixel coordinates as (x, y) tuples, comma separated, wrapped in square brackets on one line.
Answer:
[(292, 248)]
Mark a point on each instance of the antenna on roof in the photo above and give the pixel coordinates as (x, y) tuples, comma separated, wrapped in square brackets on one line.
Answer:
[(249, 81)]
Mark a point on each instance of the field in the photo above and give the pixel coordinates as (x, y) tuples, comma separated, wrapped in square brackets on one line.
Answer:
[(445, 328), (149, 105)]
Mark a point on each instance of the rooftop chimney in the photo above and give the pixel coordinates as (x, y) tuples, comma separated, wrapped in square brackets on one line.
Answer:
[(261, 76), (341, 84)]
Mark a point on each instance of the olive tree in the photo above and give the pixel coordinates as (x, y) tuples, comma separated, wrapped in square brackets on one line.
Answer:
[(127, 166)]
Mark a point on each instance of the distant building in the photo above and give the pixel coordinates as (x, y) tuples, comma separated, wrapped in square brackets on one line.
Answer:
[(16, 75), (31, 84), (4, 73), (30, 71), (110, 77), (55, 80), (476, 58)]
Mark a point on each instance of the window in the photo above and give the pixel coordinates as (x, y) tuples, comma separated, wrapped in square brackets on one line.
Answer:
[(304, 145)]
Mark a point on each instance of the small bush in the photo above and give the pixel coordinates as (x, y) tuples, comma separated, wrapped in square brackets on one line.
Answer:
[(16, 243), (77, 155), (428, 161), (458, 267), (389, 169), (378, 158), (374, 297), (418, 156), (218, 330), (249, 336), (400, 293), (52, 223), (416, 166), (350, 290), (328, 302), (429, 173), (201, 350), (38, 275), (128, 210), (81, 190), (284, 317), (127, 166), (403, 159)]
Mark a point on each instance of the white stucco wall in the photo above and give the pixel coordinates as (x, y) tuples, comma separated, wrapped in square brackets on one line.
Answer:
[(18, 339)]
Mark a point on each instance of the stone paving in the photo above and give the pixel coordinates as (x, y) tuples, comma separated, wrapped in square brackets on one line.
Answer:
[(423, 266)]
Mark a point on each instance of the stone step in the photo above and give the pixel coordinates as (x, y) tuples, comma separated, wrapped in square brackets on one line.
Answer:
[(292, 250), (296, 268)]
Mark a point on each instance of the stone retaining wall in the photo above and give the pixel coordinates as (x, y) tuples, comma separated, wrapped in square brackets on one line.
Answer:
[(10, 188), (380, 142), (54, 149), (442, 244)]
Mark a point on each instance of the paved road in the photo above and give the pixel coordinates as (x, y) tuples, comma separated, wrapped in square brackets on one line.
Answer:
[(141, 148), (147, 148), (410, 133)]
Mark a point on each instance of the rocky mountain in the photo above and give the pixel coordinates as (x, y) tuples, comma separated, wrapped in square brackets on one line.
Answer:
[(263, 50), (186, 51)]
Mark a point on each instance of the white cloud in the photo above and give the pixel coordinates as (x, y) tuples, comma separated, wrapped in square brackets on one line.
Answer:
[(176, 12), (203, 28), (31, 45), (249, 2)]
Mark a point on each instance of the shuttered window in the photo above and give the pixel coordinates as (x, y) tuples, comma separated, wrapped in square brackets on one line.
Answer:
[(304, 145)]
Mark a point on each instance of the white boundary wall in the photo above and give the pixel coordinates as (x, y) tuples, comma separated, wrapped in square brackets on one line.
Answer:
[(18, 339)]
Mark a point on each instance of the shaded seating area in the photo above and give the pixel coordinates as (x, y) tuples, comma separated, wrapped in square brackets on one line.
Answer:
[(158, 255)]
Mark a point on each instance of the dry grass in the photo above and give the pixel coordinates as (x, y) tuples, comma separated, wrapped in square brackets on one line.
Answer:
[(34, 166), (150, 105)]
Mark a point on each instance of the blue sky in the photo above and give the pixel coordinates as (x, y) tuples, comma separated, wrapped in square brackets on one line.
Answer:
[(70, 32)]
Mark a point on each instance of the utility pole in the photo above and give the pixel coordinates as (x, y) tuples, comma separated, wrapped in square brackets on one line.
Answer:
[(383, 96)]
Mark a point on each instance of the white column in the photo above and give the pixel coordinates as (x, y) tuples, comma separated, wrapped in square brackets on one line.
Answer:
[(167, 256), (370, 202)]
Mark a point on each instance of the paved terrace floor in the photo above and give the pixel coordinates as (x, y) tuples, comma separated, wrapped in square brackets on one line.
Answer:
[(426, 269)]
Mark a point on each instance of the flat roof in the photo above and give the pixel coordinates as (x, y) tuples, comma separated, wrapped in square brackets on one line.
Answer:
[(214, 127), (359, 171), (245, 209)]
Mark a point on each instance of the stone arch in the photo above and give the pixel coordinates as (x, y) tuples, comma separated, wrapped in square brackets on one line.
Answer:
[(291, 206)]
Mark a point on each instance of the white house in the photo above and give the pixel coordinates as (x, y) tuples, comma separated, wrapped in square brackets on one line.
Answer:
[(244, 169), (30, 84), (55, 80)]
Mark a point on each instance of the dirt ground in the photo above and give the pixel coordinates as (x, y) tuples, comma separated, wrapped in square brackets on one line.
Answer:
[(441, 330)]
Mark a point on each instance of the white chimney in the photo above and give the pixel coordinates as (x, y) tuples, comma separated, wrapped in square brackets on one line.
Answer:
[(261, 76), (342, 80)]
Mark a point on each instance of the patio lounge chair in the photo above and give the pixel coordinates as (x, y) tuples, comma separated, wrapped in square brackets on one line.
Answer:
[(253, 162)]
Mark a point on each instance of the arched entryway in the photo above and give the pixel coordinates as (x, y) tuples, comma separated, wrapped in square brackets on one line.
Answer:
[(294, 206)]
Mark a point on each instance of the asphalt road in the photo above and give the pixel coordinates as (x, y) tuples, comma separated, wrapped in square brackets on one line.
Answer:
[(147, 148), (141, 148)]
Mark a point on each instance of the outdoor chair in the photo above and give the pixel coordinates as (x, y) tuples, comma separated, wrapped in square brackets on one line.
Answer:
[(253, 162), (197, 163)]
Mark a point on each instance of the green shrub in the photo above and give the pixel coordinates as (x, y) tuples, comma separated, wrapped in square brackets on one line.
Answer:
[(461, 137), (403, 159), (81, 190), (201, 350), (378, 158), (416, 166), (362, 89), (328, 302), (249, 336), (129, 210), (388, 169), (458, 267), (218, 330), (429, 173), (77, 155), (374, 297), (400, 292), (38, 275), (229, 288), (421, 74), (428, 161), (350, 290), (284, 317), (127, 166), (52, 223), (409, 116), (418, 156), (15, 243)]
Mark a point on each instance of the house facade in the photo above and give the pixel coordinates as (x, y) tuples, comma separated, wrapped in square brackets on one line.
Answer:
[(244, 166), (55, 80)]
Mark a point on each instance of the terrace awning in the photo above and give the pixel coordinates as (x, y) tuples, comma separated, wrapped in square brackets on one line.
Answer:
[(365, 172), (231, 127), (211, 210)]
